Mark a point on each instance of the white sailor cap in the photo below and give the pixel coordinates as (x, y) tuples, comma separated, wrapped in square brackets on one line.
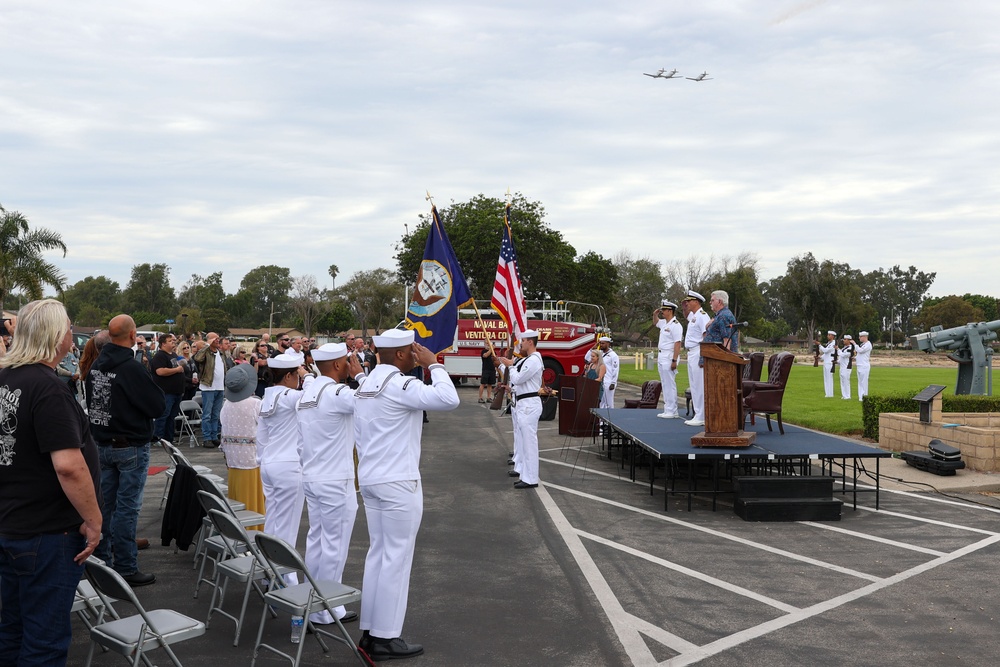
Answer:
[(329, 352), (667, 303), (285, 360), (848, 337), (529, 333), (604, 339), (862, 333), (691, 294), (394, 338), (832, 332)]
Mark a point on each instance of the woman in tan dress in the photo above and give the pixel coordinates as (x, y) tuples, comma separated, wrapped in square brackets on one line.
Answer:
[(238, 421)]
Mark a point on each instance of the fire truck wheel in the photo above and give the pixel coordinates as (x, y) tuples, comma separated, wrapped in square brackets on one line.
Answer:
[(550, 375)]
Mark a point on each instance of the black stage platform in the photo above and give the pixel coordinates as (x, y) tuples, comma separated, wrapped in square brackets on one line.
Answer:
[(641, 432)]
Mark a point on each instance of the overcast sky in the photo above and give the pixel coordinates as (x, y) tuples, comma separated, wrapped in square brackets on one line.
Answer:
[(219, 136)]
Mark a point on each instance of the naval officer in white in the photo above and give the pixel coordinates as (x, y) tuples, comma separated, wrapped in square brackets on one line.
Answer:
[(525, 381), (388, 416), (669, 346), (698, 321), (864, 364), (326, 422), (829, 353)]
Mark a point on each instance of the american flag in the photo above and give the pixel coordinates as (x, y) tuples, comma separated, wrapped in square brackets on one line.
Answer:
[(508, 299)]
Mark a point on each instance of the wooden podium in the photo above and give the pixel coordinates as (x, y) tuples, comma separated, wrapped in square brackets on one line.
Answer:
[(723, 399), (577, 395)]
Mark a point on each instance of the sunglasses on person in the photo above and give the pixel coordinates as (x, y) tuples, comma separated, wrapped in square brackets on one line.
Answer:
[(284, 340)]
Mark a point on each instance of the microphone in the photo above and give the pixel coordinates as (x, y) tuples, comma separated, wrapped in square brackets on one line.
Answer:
[(739, 325)]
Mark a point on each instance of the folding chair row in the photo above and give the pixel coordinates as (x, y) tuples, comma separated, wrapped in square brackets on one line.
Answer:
[(175, 456)]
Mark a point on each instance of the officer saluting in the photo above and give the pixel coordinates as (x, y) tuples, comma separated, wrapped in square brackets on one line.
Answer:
[(525, 381), (671, 337), (388, 419)]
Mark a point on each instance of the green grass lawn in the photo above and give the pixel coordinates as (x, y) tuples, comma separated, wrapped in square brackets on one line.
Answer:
[(804, 404)]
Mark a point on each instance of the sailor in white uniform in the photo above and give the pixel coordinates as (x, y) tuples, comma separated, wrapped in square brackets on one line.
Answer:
[(669, 346), (846, 366), (864, 363), (326, 421), (611, 364), (278, 443), (828, 352), (388, 419), (698, 321), (525, 381)]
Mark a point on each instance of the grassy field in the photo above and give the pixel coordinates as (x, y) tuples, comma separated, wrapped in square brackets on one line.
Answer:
[(804, 403)]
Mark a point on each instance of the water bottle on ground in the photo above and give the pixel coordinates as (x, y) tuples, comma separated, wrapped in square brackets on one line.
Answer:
[(297, 623)]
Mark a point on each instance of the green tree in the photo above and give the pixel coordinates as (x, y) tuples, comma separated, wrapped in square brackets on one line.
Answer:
[(338, 318), (266, 287), (96, 292), (202, 292), (216, 320), (911, 288), (597, 280), (188, 321), (334, 270), (640, 289), (92, 316), (988, 304), (21, 263), (951, 311), (308, 303), (149, 290), (375, 298)]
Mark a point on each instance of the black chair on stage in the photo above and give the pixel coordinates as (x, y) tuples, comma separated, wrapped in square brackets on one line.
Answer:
[(651, 390), (751, 372), (764, 398)]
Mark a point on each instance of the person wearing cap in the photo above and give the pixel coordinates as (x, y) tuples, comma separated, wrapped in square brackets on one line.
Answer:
[(525, 380), (278, 444), (669, 346), (697, 324), (388, 420), (611, 364), (864, 363), (238, 426), (846, 366), (828, 352), (326, 421)]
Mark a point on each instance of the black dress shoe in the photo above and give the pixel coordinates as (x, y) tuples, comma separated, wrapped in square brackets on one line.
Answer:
[(524, 485), (211, 444), (139, 579), (513, 473), (392, 649), (510, 462), (349, 617)]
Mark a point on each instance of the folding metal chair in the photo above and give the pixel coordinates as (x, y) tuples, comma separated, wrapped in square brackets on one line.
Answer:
[(302, 600), (132, 636), (211, 545), (190, 416), (246, 569), (175, 455)]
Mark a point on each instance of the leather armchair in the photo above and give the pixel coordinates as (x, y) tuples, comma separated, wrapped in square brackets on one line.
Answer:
[(651, 390), (764, 398)]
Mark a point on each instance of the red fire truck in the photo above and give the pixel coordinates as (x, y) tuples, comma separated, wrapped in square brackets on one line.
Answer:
[(563, 337)]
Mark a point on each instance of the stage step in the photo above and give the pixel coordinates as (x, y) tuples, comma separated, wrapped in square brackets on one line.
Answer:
[(780, 486), (788, 509)]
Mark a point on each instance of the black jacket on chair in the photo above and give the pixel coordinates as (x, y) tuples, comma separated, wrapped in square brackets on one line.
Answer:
[(183, 514)]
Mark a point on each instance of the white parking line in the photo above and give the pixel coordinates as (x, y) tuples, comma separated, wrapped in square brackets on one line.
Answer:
[(874, 538)]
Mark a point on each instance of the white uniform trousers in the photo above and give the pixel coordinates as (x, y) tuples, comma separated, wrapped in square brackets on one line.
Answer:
[(696, 383), (863, 371), (393, 510), (333, 507), (517, 440), (668, 382), (282, 482), (526, 435), (845, 381), (828, 378), (608, 398)]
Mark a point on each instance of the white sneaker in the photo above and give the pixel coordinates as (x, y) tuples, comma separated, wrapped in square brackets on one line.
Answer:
[(664, 415), (694, 422)]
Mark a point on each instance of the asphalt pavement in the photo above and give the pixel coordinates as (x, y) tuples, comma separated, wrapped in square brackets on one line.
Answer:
[(589, 570)]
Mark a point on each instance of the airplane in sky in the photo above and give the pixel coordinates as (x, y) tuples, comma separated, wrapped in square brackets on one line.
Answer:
[(661, 75), (700, 77)]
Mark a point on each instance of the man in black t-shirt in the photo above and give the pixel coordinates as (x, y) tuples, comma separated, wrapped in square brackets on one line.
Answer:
[(168, 375)]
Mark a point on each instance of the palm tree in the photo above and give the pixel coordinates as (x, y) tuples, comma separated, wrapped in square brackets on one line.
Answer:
[(21, 263), (334, 270)]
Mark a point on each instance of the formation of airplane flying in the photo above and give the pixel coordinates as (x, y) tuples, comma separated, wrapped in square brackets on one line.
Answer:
[(673, 74)]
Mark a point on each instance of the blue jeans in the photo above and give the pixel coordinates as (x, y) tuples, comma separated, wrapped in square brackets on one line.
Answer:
[(37, 580), (123, 480), (163, 427), (211, 408)]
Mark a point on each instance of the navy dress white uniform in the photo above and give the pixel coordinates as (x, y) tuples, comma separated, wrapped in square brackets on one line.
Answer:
[(326, 421), (846, 357), (278, 443), (525, 381), (671, 335), (827, 352), (611, 364), (388, 419), (698, 321), (864, 363)]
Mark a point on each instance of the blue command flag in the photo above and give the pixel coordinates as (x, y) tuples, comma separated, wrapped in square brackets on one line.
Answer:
[(440, 290)]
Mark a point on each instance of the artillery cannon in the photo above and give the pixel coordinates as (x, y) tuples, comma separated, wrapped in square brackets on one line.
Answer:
[(968, 346)]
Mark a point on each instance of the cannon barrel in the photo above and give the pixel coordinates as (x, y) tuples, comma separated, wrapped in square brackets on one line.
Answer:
[(939, 338)]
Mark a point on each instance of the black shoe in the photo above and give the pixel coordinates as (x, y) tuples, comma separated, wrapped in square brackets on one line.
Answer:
[(392, 649), (211, 444), (513, 473), (365, 643), (349, 617), (524, 485), (510, 462), (139, 579), (426, 421)]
